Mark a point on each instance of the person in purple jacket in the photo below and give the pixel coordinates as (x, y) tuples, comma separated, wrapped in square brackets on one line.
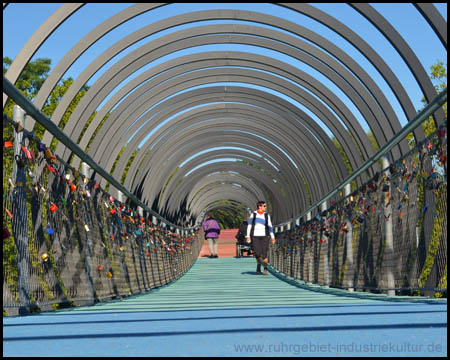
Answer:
[(212, 231)]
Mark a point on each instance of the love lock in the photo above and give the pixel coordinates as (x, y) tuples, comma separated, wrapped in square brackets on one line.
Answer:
[(19, 161)]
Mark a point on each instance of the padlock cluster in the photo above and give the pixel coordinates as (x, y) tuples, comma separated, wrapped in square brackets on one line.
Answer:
[(410, 190), (83, 244)]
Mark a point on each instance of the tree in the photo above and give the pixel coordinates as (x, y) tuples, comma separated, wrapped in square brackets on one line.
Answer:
[(32, 76), (438, 74), (30, 82)]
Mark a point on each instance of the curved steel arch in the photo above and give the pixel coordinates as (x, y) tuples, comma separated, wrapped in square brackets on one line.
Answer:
[(292, 202), (76, 51), (112, 128), (142, 105), (434, 19), (196, 118), (340, 28), (403, 49), (222, 192), (221, 140), (375, 118), (137, 159), (190, 184), (255, 175), (201, 159), (217, 154), (130, 146), (252, 18), (204, 147), (36, 40), (158, 181), (192, 188), (196, 132), (367, 51)]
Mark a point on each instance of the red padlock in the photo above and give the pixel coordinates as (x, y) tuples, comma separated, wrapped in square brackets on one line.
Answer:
[(53, 208)]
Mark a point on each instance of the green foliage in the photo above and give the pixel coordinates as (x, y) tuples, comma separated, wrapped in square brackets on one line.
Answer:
[(308, 192), (96, 131), (127, 167), (32, 77), (229, 219), (438, 73), (29, 83), (55, 97), (343, 155), (344, 158), (438, 228)]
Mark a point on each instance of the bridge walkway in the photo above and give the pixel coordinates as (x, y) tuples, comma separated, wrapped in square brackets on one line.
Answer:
[(220, 307)]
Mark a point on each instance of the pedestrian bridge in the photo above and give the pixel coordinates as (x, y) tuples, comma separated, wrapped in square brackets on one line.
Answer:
[(196, 108), (235, 312)]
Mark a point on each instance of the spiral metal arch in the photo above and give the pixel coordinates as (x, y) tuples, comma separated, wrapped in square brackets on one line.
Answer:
[(184, 88)]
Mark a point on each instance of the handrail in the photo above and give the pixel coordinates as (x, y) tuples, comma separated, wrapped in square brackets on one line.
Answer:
[(36, 114), (437, 102)]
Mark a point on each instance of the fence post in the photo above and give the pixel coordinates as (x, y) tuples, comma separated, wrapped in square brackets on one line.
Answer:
[(310, 256), (326, 275), (85, 170), (119, 196), (349, 244), (389, 246), (20, 216)]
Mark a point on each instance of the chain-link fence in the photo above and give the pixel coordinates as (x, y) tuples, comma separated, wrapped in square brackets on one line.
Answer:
[(67, 242), (345, 246)]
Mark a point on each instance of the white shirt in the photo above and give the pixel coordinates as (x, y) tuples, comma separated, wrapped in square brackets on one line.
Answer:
[(260, 225)]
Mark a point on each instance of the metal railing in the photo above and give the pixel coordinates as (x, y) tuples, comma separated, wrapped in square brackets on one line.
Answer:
[(67, 242), (414, 123), (390, 235), (32, 111)]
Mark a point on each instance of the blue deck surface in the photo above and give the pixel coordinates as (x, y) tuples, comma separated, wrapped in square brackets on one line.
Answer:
[(220, 307)]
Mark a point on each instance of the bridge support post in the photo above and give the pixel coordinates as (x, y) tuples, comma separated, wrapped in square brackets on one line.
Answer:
[(310, 248), (389, 245), (19, 214), (349, 245), (85, 169), (326, 273), (120, 196)]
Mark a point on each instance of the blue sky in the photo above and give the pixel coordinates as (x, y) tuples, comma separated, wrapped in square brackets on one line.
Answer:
[(21, 20)]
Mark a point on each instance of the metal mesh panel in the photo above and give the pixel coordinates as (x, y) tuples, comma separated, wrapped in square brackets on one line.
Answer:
[(77, 245), (412, 195)]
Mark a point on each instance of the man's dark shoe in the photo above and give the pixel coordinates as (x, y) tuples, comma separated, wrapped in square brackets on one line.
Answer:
[(258, 270), (216, 256)]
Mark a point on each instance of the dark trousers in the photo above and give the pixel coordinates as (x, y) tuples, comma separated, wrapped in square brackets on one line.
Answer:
[(260, 246)]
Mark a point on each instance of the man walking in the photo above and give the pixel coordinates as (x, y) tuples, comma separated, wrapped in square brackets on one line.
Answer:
[(258, 231), (212, 231)]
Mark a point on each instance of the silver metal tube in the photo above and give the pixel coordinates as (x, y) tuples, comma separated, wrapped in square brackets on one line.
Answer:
[(389, 246), (349, 245)]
